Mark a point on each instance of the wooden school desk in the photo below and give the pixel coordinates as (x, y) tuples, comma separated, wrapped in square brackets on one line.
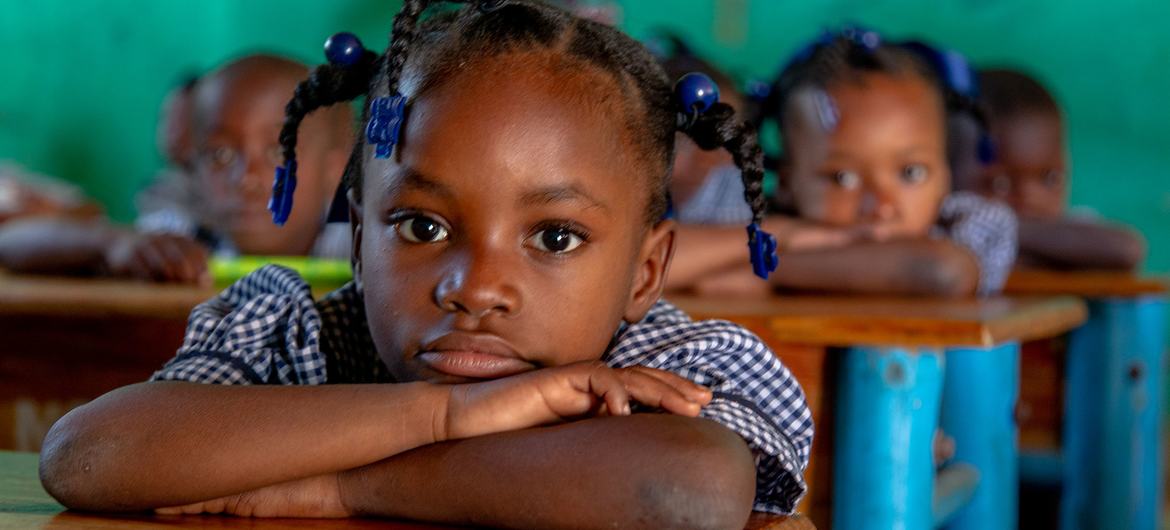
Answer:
[(876, 366), (24, 504), (66, 341), (1109, 460)]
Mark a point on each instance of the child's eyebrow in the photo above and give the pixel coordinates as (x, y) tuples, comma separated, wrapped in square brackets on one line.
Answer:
[(553, 194), (410, 179)]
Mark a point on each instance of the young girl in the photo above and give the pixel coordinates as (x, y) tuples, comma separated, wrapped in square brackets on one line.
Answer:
[(509, 254), (865, 181), (1031, 174)]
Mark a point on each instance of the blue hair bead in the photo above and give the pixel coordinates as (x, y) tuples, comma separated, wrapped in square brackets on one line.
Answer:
[(696, 92), (386, 114), (344, 49), (762, 247), (283, 187)]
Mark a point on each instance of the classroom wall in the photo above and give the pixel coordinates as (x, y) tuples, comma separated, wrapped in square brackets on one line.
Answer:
[(83, 79)]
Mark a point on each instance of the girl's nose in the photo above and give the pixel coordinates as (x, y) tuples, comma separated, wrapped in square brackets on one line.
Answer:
[(478, 285), (878, 205)]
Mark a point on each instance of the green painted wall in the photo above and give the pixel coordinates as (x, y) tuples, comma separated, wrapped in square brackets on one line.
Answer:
[(82, 79)]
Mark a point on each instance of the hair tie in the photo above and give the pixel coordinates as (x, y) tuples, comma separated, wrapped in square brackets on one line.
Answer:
[(762, 248), (283, 186), (695, 93), (385, 125), (344, 49)]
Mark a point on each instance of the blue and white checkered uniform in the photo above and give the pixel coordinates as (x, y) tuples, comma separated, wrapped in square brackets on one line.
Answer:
[(267, 329), (988, 228)]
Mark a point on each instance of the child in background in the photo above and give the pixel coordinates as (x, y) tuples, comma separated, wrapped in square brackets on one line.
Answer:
[(864, 181), (509, 260), (1031, 174), (219, 202)]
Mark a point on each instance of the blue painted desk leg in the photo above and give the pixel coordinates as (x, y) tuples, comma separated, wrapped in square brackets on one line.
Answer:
[(978, 410), (1114, 416), (887, 412)]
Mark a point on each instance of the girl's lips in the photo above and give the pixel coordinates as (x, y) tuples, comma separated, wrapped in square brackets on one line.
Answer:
[(473, 364)]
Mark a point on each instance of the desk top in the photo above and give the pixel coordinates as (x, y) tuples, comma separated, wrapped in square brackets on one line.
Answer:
[(882, 321), (24, 504), (37, 295), (1089, 284)]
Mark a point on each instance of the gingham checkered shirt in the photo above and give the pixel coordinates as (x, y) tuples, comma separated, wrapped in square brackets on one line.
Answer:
[(988, 229), (267, 329)]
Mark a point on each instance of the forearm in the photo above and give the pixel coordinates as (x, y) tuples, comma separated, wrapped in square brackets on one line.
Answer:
[(701, 251), (53, 246), (912, 267), (1074, 244), (164, 444), (646, 470)]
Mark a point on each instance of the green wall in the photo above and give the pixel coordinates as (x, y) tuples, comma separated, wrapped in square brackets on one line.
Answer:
[(82, 79)]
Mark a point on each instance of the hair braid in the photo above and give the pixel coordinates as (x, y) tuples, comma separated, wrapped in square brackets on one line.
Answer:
[(326, 85), (718, 127)]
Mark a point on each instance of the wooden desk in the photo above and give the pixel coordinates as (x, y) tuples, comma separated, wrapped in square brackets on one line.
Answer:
[(877, 383), (1109, 460), (24, 504), (67, 341)]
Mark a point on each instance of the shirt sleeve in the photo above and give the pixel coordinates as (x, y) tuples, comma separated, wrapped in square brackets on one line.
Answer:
[(264, 329), (988, 229), (755, 396)]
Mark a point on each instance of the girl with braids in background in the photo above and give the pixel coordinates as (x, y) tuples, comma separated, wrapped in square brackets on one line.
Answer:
[(497, 354), (864, 181)]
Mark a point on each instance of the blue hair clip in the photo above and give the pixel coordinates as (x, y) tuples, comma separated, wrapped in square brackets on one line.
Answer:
[(695, 93), (827, 112), (283, 187), (344, 49), (951, 67), (758, 90), (867, 39), (385, 125), (762, 247)]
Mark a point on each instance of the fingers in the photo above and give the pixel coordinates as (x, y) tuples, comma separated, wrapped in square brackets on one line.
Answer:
[(611, 389), (186, 260), (655, 393), (692, 390)]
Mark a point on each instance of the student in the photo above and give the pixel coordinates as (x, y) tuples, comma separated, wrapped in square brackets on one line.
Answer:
[(509, 255), (217, 204), (865, 181), (1031, 174)]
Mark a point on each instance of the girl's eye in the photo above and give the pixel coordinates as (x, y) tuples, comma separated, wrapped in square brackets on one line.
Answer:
[(1053, 178), (222, 157), (849, 180), (555, 240), (914, 174), (421, 229)]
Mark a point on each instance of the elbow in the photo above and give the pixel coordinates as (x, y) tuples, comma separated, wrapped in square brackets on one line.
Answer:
[(70, 467), (948, 271), (1131, 250), (714, 489)]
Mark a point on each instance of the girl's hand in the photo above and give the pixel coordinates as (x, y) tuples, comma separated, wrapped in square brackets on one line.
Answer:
[(563, 393), (158, 257), (316, 497)]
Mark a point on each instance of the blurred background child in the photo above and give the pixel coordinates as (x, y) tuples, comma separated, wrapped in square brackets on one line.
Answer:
[(865, 182), (1031, 173), (216, 200)]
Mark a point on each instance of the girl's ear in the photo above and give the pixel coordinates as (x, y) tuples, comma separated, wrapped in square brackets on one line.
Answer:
[(355, 226), (653, 264)]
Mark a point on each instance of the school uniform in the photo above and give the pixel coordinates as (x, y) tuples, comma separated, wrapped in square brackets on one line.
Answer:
[(267, 329)]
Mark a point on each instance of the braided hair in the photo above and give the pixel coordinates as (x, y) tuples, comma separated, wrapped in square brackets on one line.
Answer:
[(844, 57), (424, 51)]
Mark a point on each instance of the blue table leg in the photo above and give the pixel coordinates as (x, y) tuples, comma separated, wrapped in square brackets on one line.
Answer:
[(1113, 417), (978, 410), (887, 412)]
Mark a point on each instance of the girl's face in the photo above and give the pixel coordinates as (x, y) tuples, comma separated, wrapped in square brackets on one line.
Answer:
[(883, 162), (1031, 168), (508, 231)]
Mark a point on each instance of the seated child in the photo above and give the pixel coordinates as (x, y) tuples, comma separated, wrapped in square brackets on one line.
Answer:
[(865, 182), (510, 251), (218, 200), (1031, 174)]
